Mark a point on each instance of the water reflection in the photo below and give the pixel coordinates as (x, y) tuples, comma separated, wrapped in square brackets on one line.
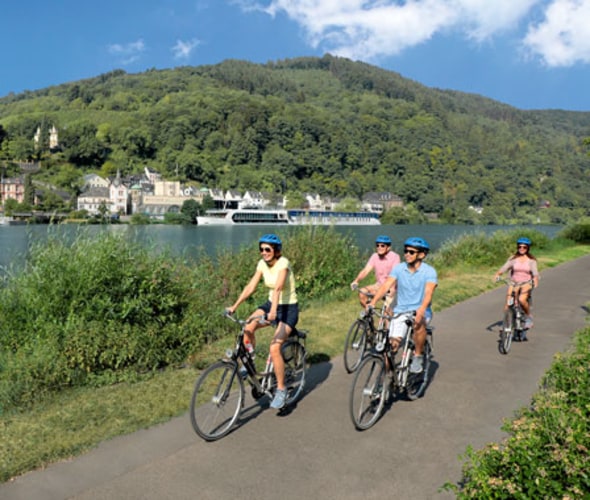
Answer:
[(189, 240)]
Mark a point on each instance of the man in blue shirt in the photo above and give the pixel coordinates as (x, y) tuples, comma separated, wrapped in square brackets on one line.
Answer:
[(415, 281)]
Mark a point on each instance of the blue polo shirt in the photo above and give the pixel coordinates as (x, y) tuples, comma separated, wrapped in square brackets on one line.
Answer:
[(410, 286)]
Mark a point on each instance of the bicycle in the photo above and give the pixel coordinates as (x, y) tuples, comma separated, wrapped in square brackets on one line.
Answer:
[(219, 394), (513, 323), (361, 335), (384, 373)]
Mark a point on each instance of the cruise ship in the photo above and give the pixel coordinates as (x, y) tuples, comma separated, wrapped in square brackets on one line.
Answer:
[(283, 217)]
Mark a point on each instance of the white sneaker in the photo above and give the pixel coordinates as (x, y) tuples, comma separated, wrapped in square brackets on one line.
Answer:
[(416, 365), (279, 400)]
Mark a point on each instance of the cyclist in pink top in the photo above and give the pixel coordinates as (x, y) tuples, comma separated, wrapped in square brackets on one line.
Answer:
[(382, 262), (523, 267)]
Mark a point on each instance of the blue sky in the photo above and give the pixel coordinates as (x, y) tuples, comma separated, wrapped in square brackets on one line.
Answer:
[(531, 54)]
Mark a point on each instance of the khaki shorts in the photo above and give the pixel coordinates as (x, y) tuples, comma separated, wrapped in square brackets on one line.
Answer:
[(399, 328)]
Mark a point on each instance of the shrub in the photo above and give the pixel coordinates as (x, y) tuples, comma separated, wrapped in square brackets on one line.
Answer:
[(102, 309), (580, 233), (481, 250)]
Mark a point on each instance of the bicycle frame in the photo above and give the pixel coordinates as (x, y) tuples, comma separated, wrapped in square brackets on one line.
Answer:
[(384, 372), (264, 382), (362, 334), (514, 316)]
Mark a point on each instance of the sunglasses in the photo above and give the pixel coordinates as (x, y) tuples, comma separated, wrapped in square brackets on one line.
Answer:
[(523, 246), (265, 249), (381, 245), (410, 252)]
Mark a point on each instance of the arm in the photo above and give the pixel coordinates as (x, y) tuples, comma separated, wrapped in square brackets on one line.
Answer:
[(362, 275), (503, 269), (246, 292), (535, 273), (387, 284), (276, 293), (426, 301)]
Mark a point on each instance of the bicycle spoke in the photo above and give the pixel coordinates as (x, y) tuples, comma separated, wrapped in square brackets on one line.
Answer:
[(355, 345), (295, 369), (368, 392), (217, 401)]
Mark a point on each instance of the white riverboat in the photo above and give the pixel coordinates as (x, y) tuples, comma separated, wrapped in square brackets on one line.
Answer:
[(282, 217), (242, 216)]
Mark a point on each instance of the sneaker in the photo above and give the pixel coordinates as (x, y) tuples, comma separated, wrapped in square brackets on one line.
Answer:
[(279, 400), (528, 322), (416, 365)]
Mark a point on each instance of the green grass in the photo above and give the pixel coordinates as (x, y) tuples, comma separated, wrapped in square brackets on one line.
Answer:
[(76, 420)]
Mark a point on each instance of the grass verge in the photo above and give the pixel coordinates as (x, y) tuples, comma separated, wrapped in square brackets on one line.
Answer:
[(77, 420)]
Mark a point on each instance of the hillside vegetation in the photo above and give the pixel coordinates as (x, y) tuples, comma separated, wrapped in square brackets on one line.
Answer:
[(326, 125)]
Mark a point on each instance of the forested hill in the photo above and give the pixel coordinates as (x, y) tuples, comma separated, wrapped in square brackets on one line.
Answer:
[(326, 125)]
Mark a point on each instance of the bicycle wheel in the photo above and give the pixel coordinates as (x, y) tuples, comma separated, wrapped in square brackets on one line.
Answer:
[(507, 332), (355, 344), (295, 367), (217, 400), (417, 382), (368, 392)]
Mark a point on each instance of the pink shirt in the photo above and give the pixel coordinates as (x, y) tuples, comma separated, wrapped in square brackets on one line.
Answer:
[(383, 266), (520, 270)]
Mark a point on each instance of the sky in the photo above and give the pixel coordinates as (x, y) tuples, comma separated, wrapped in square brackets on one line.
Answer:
[(530, 54)]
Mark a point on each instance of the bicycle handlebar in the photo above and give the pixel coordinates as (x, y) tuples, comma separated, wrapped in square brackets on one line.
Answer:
[(242, 322), (509, 282)]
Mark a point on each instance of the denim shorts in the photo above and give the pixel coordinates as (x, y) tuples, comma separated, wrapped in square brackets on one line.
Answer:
[(286, 313)]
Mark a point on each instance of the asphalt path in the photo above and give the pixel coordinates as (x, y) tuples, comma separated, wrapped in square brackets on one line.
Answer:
[(314, 451)]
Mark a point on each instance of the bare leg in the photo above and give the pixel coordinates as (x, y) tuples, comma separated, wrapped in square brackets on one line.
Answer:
[(281, 334), (419, 337)]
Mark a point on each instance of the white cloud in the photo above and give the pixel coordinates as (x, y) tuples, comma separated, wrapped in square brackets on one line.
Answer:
[(129, 52), (183, 50), (563, 38), (371, 29)]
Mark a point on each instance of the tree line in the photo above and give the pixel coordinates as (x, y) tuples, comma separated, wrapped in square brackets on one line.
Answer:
[(327, 125)]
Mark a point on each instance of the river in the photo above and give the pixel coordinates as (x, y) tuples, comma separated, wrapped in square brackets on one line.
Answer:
[(187, 240)]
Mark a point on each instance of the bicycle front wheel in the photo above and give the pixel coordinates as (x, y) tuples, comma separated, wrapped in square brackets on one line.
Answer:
[(368, 392), (217, 400), (295, 367), (355, 345), (416, 382), (507, 332)]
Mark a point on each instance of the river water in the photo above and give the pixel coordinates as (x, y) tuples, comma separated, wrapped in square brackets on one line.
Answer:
[(187, 240)]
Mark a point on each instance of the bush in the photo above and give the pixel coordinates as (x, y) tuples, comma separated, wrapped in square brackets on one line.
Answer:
[(97, 304), (481, 250), (103, 309), (580, 233)]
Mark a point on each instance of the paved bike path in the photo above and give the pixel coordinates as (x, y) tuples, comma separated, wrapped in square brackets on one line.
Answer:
[(314, 452)]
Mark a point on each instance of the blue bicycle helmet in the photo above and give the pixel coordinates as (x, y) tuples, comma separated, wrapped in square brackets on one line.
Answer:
[(523, 241), (386, 240), (271, 239), (418, 243)]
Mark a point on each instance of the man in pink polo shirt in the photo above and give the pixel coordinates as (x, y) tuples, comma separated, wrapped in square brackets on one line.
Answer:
[(382, 262)]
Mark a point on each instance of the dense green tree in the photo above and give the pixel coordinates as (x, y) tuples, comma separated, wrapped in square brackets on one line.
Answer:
[(327, 125), (190, 209)]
